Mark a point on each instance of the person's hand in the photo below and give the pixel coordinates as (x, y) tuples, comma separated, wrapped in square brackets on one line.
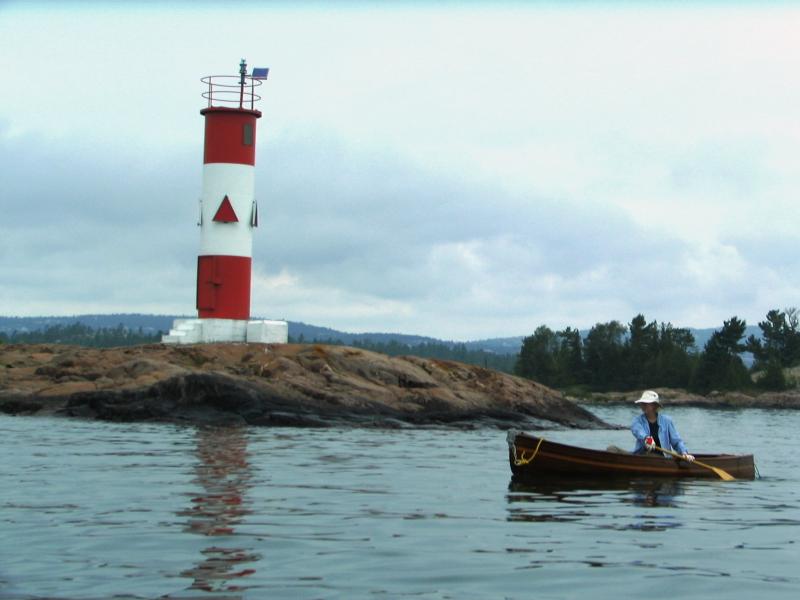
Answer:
[(649, 443), (688, 457)]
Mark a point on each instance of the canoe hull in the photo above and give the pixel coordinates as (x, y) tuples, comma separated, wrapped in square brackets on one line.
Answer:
[(532, 457)]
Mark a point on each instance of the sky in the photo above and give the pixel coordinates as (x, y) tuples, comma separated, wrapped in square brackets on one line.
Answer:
[(458, 170)]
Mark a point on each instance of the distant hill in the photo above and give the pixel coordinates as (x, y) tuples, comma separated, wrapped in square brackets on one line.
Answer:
[(701, 336), (148, 323), (508, 345), (155, 323), (322, 334)]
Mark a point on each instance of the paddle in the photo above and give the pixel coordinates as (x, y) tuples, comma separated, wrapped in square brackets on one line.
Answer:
[(722, 474)]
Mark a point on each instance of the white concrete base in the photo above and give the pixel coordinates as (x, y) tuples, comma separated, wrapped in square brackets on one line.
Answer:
[(207, 331), (267, 332)]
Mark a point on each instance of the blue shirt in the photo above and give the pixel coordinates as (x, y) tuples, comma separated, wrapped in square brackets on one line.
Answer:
[(667, 434)]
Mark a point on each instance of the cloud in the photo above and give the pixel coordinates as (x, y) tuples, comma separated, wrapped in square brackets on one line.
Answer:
[(360, 240), (463, 174), (104, 227), (459, 258), (93, 229)]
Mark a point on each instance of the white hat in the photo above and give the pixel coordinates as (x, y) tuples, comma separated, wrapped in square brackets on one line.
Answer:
[(648, 397)]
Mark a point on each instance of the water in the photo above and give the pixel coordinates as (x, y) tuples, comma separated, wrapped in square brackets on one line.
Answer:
[(94, 510)]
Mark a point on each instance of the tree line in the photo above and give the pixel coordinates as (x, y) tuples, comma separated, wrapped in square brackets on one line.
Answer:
[(441, 351), (83, 335), (643, 354)]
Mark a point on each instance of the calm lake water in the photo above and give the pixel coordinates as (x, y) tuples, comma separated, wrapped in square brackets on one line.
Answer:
[(94, 510)]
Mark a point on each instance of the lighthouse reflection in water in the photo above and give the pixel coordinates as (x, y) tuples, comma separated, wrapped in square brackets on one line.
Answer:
[(223, 475)]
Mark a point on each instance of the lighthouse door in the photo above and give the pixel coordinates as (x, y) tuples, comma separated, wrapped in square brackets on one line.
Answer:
[(207, 283)]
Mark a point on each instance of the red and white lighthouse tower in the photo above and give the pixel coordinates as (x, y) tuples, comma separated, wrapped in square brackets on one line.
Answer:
[(228, 217)]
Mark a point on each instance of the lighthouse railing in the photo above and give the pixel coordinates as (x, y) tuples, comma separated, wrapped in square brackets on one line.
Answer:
[(228, 90)]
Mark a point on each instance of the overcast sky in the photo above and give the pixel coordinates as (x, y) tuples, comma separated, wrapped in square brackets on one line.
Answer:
[(460, 171)]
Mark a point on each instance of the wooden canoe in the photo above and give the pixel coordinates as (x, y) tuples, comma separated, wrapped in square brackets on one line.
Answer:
[(533, 457)]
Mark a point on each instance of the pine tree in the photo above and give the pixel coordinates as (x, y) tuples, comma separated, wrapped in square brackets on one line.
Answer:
[(537, 356), (604, 350), (720, 367)]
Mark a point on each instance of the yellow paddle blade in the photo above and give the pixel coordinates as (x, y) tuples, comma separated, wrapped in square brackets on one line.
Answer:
[(724, 475)]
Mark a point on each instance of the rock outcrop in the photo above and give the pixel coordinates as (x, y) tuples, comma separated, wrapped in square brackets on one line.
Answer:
[(258, 384), (676, 397)]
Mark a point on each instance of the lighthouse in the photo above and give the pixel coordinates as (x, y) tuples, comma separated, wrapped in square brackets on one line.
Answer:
[(228, 217)]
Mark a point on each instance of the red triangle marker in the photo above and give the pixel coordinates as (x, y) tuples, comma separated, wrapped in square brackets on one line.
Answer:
[(225, 212)]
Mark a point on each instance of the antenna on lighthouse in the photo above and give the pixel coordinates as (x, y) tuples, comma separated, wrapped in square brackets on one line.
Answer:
[(242, 75)]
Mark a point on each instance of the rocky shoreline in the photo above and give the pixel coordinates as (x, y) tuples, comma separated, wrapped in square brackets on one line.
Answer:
[(789, 399), (273, 385)]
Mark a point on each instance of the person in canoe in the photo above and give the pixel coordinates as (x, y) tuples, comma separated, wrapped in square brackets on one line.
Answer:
[(652, 429)]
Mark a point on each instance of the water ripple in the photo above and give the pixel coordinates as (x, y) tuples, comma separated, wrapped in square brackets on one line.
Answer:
[(98, 510)]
